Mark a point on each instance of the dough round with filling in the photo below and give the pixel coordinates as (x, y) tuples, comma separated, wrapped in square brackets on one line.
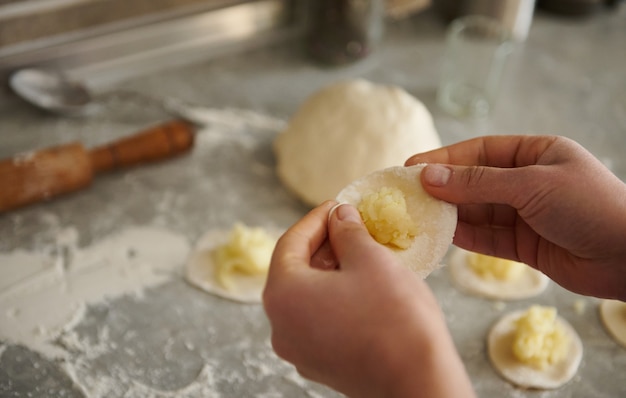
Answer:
[(200, 271), (499, 347), (347, 130), (613, 315), (528, 283), (434, 218)]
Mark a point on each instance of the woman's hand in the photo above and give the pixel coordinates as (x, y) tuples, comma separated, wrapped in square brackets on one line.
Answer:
[(346, 314), (542, 200)]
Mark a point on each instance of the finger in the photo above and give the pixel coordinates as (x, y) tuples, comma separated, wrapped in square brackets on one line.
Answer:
[(324, 258), (493, 215), (298, 244), (516, 187), (351, 242), (518, 242), (495, 151), (499, 242)]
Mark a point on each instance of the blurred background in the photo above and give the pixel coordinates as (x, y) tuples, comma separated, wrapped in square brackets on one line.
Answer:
[(248, 66), (97, 35)]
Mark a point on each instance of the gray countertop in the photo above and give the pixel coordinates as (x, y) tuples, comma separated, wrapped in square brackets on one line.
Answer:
[(568, 78)]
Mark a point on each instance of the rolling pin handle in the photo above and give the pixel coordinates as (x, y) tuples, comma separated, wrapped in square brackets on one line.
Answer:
[(43, 174), (156, 143)]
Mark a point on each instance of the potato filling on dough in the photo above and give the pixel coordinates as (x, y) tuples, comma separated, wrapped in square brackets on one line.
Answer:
[(386, 217), (248, 251), (489, 267), (539, 340)]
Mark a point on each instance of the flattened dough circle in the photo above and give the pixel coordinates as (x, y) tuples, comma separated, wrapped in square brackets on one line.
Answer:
[(435, 218), (499, 347), (529, 284), (613, 315), (200, 271)]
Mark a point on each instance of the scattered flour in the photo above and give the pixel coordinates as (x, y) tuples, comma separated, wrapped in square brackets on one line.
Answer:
[(43, 295), (48, 290), (234, 118)]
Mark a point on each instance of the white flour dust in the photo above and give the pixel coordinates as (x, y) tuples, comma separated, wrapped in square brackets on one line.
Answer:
[(236, 118), (50, 292), (44, 294)]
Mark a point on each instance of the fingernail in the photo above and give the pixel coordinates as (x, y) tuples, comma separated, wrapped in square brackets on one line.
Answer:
[(332, 210), (437, 175), (348, 213)]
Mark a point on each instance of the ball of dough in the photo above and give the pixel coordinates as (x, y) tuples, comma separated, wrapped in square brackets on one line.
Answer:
[(346, 131), (434, 219)]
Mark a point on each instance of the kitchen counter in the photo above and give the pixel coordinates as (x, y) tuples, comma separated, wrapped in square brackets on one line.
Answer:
[(568, 78)]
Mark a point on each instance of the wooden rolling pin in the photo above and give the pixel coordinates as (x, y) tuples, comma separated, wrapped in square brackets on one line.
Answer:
[(46, 173)]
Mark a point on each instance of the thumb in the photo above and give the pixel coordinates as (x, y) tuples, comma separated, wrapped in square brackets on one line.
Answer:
[(480, 184), (350, 240)]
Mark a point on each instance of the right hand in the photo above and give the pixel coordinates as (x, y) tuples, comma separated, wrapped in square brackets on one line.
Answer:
[(541, 200)]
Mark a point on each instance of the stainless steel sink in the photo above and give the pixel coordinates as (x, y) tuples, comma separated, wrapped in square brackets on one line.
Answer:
[(106, 53)]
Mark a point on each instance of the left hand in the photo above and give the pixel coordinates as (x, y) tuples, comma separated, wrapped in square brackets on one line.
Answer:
[(347, 314)]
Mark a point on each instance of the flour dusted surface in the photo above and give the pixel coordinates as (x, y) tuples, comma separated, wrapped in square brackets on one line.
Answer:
[(174, 340), (125, 323)]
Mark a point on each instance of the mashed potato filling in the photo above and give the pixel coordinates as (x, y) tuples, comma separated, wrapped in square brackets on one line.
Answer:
[(248, 251), (490, 268), (386, 217), (539, 340)]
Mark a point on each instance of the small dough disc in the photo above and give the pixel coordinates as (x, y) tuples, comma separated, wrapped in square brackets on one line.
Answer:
[(499, 346), (436, 219), (347, 130), (200, 271), (529, 284), (613, 315)]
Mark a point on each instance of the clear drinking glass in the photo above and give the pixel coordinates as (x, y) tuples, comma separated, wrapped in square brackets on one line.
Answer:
[(477, 49)]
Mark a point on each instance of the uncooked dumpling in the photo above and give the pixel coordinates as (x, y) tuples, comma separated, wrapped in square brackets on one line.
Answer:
[(500, 347), (232, 264), (346, 131), (504, 280), (428, 223), (613, 315)]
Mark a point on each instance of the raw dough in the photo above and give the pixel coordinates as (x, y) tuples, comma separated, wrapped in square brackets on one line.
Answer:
[(346, 131), (528, 284), (201, 271), (435, 219), (613, 315), (499, 346)]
